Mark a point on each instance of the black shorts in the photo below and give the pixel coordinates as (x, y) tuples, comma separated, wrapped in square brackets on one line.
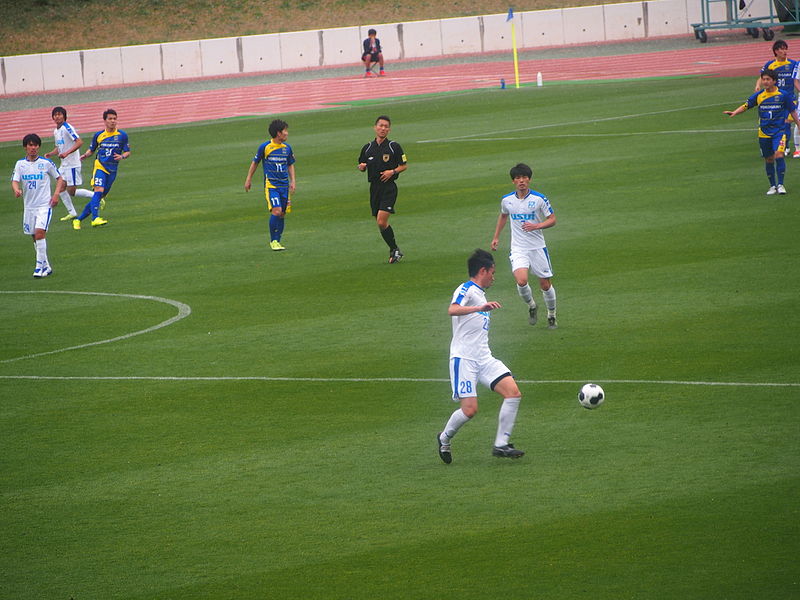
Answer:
[(372, 56), (382, 196)]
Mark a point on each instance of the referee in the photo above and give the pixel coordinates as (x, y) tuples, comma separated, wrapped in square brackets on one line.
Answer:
[(383, 160)]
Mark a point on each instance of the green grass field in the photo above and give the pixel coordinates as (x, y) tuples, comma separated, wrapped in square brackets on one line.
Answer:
[(278, 442)]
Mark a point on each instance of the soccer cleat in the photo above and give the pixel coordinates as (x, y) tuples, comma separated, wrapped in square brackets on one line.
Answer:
[(368, 74), (532, 317), (76, 224), (395, 255), (781, 189), (796, 154), (507, 451), (68, 217), (444, 450), (551, 322), (37, 272), (99, 222), (46, 270), (382, 73), (276, 245), (772, 190)]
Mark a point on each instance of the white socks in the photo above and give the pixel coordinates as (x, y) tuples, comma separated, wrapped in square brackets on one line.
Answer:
[(66, 200), (506, 420), (41, 251), (526, 294), (505, 423), (82, 193), (550, 300), (457, 419)]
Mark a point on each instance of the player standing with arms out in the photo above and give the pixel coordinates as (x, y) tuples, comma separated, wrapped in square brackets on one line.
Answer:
[(372, 53), (67, 143), (530, 213), (112, 147), (773, 108), (279, 182), (471, 360), (30, 181), (383, 160), (786, 72)]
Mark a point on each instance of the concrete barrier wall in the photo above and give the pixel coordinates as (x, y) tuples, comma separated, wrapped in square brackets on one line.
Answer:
[(342, 46)]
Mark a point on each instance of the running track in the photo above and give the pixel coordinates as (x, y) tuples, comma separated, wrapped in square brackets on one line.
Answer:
[(712, 60)]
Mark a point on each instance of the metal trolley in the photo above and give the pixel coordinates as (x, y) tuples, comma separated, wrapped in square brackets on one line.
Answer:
[(781, 13)]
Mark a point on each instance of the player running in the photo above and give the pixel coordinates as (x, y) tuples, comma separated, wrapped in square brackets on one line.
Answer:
[(530, 212), (67, 143), (112, 147), (471, 361)]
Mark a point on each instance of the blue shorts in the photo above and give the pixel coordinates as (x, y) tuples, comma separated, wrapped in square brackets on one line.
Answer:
[(771, 145), (103, 180), (277, 198)]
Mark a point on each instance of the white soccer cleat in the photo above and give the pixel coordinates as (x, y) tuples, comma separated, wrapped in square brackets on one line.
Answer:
[(772, 190), (781, 189)]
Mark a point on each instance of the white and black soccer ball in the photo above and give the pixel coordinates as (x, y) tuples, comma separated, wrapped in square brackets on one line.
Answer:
[(591, 395)]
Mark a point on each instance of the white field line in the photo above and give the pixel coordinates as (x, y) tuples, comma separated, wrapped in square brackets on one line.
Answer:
[(493, 135), (396, 380), (184, 310)]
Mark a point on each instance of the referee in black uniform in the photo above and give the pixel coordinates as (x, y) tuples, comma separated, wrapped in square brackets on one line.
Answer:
[(383, 160)]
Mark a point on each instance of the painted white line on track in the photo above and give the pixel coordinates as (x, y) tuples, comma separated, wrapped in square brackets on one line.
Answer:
[(767, 384), (184, 310)]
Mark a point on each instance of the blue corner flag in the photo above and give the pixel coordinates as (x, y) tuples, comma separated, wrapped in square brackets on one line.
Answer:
[(510, 14)]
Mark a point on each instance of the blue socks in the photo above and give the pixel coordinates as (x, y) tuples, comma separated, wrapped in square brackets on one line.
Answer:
[(780, 163), (276, 225), (771, 172)]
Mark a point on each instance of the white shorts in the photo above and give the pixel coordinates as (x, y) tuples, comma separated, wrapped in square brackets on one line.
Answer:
[(72, 176), (536, 261), (465, 375), (36, 218)]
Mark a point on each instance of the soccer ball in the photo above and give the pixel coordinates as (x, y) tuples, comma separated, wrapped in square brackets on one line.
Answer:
[(591, 395)]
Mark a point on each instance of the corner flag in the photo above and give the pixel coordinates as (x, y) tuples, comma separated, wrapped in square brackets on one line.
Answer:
[(510, 17)]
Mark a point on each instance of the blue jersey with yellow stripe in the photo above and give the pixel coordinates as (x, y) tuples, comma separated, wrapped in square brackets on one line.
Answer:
[(276, 159), (786, 70), (773, 109), (107, 145)]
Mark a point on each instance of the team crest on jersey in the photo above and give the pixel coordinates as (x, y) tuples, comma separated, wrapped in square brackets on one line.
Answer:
[(386, 157)]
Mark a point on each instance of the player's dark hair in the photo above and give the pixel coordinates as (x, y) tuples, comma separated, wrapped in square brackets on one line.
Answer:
[(276, 127), (480, 259), (109, 111), (779, 44), (383, 118), (372, 32), (31, 137), (59, 109), (769, 73), (521, 170)]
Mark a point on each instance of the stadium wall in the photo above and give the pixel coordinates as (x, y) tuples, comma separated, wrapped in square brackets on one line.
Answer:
[(32, 73)]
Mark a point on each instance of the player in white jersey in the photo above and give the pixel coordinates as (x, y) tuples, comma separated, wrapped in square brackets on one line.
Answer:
[(67, 142), (31, 182), (530, 212), (471, 360)]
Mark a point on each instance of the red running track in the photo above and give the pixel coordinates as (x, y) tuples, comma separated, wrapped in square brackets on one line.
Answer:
[(272, 99)]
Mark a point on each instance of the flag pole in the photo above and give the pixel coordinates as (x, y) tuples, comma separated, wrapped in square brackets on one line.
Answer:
[(510, 17)]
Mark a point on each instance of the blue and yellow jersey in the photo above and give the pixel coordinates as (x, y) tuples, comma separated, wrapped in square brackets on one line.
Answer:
[(107, 145), (785, 70), (276, 159), (773, 109)]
